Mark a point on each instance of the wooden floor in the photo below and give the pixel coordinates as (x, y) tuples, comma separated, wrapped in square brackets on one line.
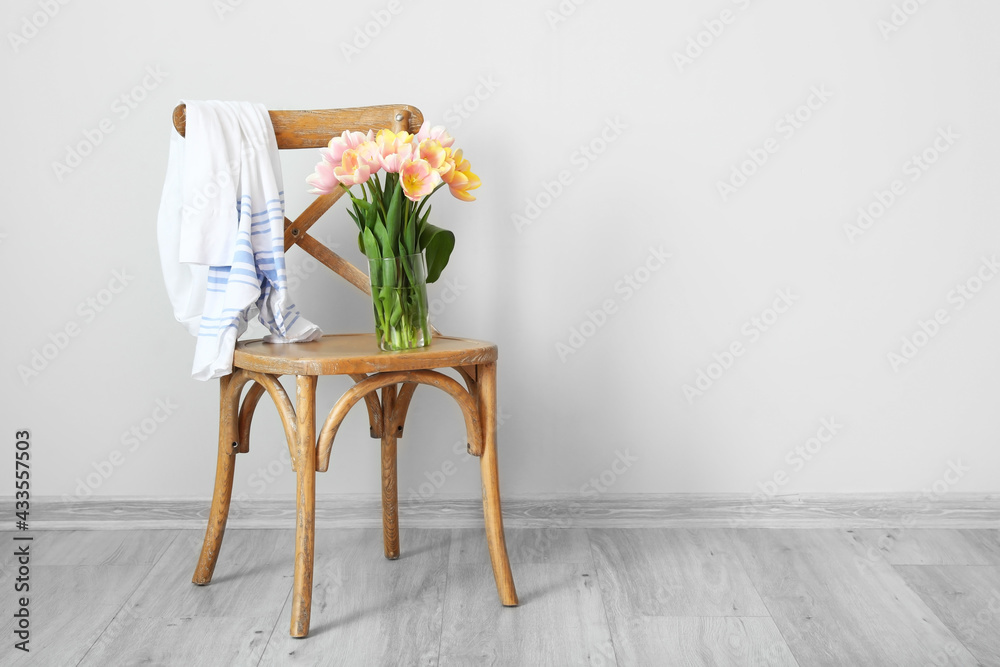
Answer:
[(631, 596)]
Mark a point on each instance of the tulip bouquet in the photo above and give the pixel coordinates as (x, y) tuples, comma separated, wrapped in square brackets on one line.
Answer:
[(404, 250)]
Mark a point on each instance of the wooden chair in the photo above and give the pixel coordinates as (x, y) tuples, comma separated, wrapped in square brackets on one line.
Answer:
[(385, 380)]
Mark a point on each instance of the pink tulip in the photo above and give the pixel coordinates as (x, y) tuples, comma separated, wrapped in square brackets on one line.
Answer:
[(353, 170), (369, 154), (323, 180), (393, 162), (334, 151), (437, 133), (432, 151), (418, 179), (390, 142)]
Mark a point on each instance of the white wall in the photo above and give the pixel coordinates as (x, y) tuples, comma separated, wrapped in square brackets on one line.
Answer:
[(674, 132)]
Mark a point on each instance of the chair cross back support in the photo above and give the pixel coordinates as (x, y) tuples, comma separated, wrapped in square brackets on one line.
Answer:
[(385, 380)]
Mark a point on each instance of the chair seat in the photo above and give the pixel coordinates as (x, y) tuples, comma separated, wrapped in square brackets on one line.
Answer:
[(344, 354)]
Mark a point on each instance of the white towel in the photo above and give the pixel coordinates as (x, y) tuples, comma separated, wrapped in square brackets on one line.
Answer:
[(221, 233)]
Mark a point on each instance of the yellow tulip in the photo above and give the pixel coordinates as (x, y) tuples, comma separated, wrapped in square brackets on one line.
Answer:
[(459, 176)]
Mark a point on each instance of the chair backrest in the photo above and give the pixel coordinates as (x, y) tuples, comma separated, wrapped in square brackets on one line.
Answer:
[(314, 129)]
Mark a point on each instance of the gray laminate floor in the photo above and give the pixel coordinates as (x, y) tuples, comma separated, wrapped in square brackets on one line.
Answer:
[(588, 597)]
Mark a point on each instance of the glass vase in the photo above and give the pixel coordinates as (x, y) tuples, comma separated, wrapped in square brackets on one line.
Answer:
[(399, 296)]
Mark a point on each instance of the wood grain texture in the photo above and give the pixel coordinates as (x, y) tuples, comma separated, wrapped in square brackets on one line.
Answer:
[(78, 582), (294, 229), (225, 467), (344, 354), (676, 572), (105, 548), (400, 121), (724, 641), (122, 597), (390, 499), (406, 391), (682, 593), (368, 610), (488, 467), (305, 503), (933, 546), (848, 511), (833, 606), (70, 607), (560, 621), (280, 400), (315, 128), (524, 545), (362, 389), (185, 640), (967, 600), (247, 409), (254, 579), (374, 407)]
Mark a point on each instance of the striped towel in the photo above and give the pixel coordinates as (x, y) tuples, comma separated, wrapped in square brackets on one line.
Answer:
[(221, 232)]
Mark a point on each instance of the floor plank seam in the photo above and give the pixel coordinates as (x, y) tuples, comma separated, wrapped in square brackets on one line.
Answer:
[(600, 591), (940, 620), (444, 593), (756, 588), (274, 626), (130, 595)]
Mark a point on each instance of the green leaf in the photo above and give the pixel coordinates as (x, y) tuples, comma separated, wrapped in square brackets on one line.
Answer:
[(393, 216), (371, 250), (379, 311), (397, 311), (408, 270), (382, 234), (361, 206), (354, 216), (387, 270), (390, 187), (371, 215), (410, 237), (385, 295), (437, 245)]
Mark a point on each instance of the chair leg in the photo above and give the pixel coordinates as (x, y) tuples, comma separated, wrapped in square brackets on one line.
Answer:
[(224, 470), (390, 512), (305, 503), (491, 486), (390, 496)]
